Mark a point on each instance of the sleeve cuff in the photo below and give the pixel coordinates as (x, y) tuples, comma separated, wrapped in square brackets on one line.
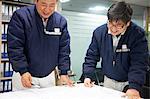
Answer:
[(63, 72), (135, 86), (23, 71), (91, 76)]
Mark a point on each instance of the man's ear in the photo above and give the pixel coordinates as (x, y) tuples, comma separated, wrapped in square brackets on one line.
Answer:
[(128, 23)]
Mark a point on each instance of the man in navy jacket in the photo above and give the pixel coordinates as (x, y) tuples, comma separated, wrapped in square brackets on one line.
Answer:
[(122, 47), (38, 41)]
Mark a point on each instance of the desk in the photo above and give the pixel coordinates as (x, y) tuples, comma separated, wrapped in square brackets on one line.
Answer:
[(65, 92)]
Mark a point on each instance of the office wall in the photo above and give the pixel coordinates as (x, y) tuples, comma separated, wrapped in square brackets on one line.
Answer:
[(138, 20), (81, 26)]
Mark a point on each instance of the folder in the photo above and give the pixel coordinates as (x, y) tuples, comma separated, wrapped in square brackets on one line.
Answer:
[(1, 69), (7, 68), (10, 67), (14, 8), (9, 85), (3, 29), (1, 86), (6, 27), (5, 49), (6, 12), (10, 11), (2, 48), (3, 8)]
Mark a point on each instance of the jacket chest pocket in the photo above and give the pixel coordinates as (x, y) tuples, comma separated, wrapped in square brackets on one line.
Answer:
[(121, 59)]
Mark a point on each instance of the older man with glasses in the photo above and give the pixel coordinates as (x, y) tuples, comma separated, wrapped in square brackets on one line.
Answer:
[(123, 48), (38, 41)]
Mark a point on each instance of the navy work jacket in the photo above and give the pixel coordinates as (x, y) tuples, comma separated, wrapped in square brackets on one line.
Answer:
[(127, 63), (33, 50)]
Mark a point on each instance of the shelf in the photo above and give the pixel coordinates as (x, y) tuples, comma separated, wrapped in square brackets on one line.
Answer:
[(7, 8), (4, 40), (5, 60), (5, 18), (5, 21), (5, 78), (18, 3)]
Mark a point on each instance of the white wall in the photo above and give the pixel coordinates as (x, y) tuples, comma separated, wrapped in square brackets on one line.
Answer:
[(138, 20)]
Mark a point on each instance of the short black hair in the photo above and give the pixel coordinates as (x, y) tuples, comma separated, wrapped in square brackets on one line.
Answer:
[(120, 11)]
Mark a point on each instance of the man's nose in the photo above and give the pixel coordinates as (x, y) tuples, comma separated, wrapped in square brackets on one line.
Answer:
[(114, 29)]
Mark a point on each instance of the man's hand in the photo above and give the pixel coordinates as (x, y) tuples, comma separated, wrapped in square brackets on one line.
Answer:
[(132, 94), (88, 82), (64, 79), (26, 80)]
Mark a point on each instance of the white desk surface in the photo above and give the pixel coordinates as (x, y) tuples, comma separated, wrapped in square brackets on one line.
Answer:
[(65, 92)]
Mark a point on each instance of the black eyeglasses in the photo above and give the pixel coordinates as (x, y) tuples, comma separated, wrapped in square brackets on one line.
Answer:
[(117, 26)]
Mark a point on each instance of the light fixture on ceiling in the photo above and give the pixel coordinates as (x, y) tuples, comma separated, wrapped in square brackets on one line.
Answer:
[(98, 8), (64, 1)]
